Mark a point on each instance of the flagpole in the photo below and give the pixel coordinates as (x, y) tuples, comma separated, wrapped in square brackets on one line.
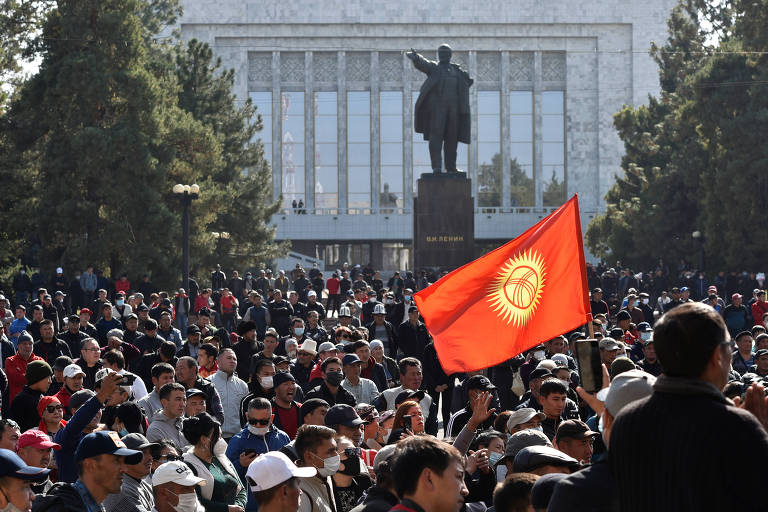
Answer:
[(590, 326)]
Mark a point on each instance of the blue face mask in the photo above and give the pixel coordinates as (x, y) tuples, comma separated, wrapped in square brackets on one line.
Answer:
[(298, 331), (123, 432), (407, 298), (538, 429), (493, 458)]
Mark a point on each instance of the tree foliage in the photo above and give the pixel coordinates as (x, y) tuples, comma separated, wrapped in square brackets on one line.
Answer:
[(97, 138)]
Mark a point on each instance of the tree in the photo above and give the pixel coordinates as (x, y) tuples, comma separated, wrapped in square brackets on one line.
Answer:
[(520, 185), (554, 191), (489, 183), (105, 140), (245, 177), (655, 206)]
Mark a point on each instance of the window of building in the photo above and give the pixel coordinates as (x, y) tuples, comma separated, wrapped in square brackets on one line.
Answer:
[(326, 151), (359, 149), (263, 103), (391, 129), (292, 129), (521, 185), (488, 148), (553, 143)]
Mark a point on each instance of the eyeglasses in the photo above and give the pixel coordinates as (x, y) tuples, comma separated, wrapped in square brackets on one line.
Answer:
[(353, 452), (52, 408), (169, 457), (254, 421), (92, 350)]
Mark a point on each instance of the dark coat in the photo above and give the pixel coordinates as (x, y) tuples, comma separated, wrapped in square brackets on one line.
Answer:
[(422, 114), (412, 340), (342, 395), (62, 497), (687, 450), (24, 409)]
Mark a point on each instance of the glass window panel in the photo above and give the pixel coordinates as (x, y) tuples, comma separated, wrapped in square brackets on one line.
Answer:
[(325, 104), (326, 187), (326, 129), (263, 102), (326, 154), (521, 102), (359, 128), (391, 128), (292, 105), (489, 148), (521, 128), (488, 102), (552, 128), (552, 102), (358, 103), (392, 153), (391, 103), (359, 149), (553, 153), (522, 151)]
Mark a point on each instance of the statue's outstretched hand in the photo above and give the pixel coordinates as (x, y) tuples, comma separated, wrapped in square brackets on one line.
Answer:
[(411, 54)]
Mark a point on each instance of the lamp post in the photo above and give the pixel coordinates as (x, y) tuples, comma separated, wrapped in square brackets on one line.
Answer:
[(698, 236), (185, 193)]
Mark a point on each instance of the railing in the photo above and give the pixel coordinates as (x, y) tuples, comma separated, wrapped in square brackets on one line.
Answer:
[(487, 210)]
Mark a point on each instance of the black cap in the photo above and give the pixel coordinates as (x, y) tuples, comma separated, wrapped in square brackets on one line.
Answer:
[(534, 457), (193, 329), (105, 442), (616, 333), (282, 378), (165, 302), (138, 442), (409, 394), (539, 373), (623, 315), (142, 307), (760, 353), (195, 392), (342, 414), (644, 327), (480, 382)]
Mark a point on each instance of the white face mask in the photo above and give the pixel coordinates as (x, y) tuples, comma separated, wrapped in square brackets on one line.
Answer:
[(539, 354), (266, 382), (292, 354), (387, 432), (258, 431), (331, 466), (646, 301), (187, 502), (566, 383), (371, 299), (645, 336), (220, 448)]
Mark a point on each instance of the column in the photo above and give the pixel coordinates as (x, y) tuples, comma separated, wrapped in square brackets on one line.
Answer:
[(341, 105), (309, 135), (407, 136), (375, 135), (473, 138), (277, 139), (505, 138), (538, 146)]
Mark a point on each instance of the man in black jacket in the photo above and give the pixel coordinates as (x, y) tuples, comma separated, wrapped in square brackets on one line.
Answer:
[(186, 375), (24, 406), (412, 335), (48, 347), (693, 346), (330, 390), (280, 313), (382, 330), (73, 336)]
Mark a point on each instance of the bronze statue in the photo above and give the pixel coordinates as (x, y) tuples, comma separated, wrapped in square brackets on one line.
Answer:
[(442, 110)]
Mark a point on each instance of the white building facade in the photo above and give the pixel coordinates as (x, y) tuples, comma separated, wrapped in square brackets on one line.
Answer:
[(336, 95)]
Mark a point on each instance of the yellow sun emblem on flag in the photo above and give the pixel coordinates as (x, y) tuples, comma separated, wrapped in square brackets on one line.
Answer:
[(516, 290)]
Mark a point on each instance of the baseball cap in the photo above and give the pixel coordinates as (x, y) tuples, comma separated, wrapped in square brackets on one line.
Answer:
[(311, 293), (735, 296), (72, 370), (626, 388), (86, 311), (38, 439), (574, 429), (684, 289), (342, 414), (178, 472), (760, 353), (195, 392), (105, 442), (273, 468), (80, 397), (409, 394), (344, 310), (523, 439), (326, 346), (12, 465), (533, 457), (608, 344), (350, 359), (383, 455), (139, 442), (61, 362), (193, 329), (282, 378), (480, 382), (523, 415), (539, 373), (644, 327)]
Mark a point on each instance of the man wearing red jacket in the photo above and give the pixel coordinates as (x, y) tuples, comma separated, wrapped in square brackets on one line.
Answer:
[(759, 308), (16, 366)]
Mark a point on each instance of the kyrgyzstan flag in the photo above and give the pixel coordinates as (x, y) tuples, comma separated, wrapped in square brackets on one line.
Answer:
[(527, 291)]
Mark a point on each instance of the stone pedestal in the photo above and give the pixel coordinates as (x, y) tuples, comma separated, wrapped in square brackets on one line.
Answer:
[(443, 222)]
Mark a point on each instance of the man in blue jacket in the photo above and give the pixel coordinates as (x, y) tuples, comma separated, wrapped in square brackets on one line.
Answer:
[(86, 406), (259, 436)]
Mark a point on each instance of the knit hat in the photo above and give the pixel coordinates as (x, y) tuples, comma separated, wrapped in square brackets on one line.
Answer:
[(37, 371)]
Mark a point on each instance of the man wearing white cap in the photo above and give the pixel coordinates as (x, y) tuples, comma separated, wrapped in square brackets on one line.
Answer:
[(272, 478), (173, 487), (73, 382)]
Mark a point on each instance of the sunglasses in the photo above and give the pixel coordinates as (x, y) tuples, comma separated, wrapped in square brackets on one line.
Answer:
[(52, 408), (169, 457), (254, 421), (353, 452)]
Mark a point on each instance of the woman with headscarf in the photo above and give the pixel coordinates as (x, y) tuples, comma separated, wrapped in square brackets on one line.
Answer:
[(51, 415)]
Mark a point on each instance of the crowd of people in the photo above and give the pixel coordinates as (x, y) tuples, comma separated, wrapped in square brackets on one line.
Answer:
[(298, 392)]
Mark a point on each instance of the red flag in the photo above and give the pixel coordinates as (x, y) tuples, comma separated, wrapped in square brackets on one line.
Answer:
[(523, 293)]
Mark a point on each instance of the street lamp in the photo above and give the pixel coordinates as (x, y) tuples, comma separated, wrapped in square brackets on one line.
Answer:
[(698, 236), (185, 193)]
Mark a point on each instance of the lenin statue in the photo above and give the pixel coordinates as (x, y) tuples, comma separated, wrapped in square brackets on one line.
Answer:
[(442, 110)]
